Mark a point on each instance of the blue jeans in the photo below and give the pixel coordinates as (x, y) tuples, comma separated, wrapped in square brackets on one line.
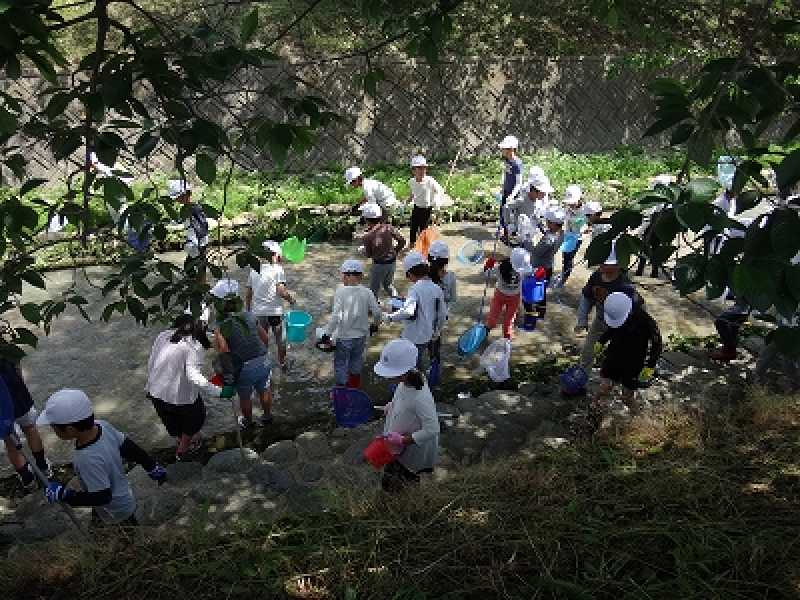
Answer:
[(348, 358), (254, 376)]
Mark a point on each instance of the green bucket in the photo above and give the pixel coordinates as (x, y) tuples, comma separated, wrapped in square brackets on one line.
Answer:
[(293, 250)]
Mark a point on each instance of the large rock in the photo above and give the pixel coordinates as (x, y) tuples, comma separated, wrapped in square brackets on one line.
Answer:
[(184, 473), (159, 508), (314, 445), (230, 461), (311, 472), (281, 453)]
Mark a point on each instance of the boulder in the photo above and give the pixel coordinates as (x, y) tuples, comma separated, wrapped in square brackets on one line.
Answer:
[(311, 472), (314, 445), (159, 508), (184, 473), (230, 461), (281, 453)]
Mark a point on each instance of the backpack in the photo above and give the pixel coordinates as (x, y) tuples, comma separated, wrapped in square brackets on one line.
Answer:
[(198, 221)]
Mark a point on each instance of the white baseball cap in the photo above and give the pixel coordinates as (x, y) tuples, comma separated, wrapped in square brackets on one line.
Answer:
[(398, 357), (535, 171), (616, 309), (439, 249), (555, 215), (177, 188), (351, 265), (370, 210), (521, 260), (510, 141), (64, 407), (572, 195), (418, 161), (351, 174), (225, 287), (541, 183), (413, 259), (273, 247), (592, 207)]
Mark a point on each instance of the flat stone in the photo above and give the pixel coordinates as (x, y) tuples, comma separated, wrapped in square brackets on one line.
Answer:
[(230, 461), (282, 453), (338, 209), (313, 444), (311, 472)]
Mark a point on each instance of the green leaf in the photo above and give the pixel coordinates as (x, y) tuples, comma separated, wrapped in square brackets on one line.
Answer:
[(31, 312), (31, 185), (689, 273), (114, 189), (625, 218), (787, 339), (206, 168), (667, 87), (137, 309), (702, 189), (4, 6), (26, 336), (108, 311), (788, 171), (34, 278), (701, 145), (667, 225), (681, 134), (747, 200), (757, 282), (249, 26), (8, 121), (57, 105), (598, 250), (792, 132), (693, 215), (11, 352), (627, 247), (145, 145), (784, 230)]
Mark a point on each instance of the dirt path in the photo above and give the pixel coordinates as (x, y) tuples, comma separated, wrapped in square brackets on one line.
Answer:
[(108, 360)]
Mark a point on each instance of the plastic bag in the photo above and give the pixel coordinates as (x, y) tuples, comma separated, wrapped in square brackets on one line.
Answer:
[(425, 239), (496, 358)]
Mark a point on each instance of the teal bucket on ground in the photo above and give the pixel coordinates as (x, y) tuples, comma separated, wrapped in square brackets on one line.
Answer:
[(297, 322)]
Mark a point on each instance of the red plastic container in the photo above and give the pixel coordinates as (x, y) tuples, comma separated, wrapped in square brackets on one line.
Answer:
[(379, 453), (217, 379)]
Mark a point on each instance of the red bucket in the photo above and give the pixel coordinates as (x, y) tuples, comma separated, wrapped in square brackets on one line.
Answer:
[(379, 453)]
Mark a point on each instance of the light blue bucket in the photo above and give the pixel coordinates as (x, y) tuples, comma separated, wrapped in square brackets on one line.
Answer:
[(570, 243), (297, 323)]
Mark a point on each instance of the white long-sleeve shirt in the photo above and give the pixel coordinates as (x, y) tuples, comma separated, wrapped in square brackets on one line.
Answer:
[(413, 411), (173, 371), (419, 312), (379, 193), (352, 305), (424, 193)]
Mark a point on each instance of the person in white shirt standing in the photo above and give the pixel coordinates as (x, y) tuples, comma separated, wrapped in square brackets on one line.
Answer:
[(375, 192), (411, 425), (349, 324), (266, 291), (425, 193), (424, 312)]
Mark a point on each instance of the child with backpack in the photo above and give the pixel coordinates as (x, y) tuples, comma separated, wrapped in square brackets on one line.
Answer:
[(382, 243), (98, 460), (507, 289), (424, 311), (349, 324), (196, 226)]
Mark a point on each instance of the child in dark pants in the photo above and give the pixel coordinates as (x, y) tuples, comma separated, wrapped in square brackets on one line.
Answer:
[(627, 360), (98, 460), (542, 257)]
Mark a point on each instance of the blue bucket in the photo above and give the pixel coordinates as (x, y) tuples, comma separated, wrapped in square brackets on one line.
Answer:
[(297, 323), (351, 407), (570, 243), (533, 290), (471, 339), (573, 380)]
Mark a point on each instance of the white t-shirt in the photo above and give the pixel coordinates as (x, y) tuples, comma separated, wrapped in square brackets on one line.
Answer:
[(419, 312), (99, 467), (352, 305), (413, 411), (174, 371), (379, 193), (266, 302), (424, 193)]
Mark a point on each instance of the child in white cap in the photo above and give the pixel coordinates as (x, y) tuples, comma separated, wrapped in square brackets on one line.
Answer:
[(349, 324), (542, 258), (508, 272), (511, 178), (438, 259), (528, 208), (594, 218), (425, 192), (98, 460), (411, 424), (382, 243), (627, 360), (424, 312), (574, 220), (374, 191), (265, 293), (196, 226)]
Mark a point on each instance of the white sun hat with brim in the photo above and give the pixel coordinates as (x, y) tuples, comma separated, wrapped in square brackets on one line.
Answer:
[(555, 215), (439, 249), (418, 161), (351, 265), (521, 260), (616, 309), (412, 260), (509, 142), (592, 207), (351, 174), (225, 287), (398, 357), (371, 210), (177, 188), (273, 247), (66, 406), (572, 195), (541, 183)]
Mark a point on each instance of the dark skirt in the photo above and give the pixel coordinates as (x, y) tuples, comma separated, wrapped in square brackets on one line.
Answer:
[(181, 419)]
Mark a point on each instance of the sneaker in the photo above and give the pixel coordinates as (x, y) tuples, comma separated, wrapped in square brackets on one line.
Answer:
[(264, 420), (244, 424)]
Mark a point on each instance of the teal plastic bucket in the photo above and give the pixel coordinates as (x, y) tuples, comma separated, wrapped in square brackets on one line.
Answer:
[(297, 323)]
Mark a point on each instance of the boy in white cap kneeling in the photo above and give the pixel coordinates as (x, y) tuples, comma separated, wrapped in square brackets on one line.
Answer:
[(424, 312), (196, 229), (382, 243), (634, 347), (349, 324), (374, 191), (425, 193), (411, 425), (265, 293), (98, 460)]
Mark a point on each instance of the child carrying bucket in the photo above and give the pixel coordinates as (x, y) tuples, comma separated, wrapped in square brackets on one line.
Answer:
[(507, 289), (542, 257), (266, 291), (349, 324), (574, 220), (411, 428)]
